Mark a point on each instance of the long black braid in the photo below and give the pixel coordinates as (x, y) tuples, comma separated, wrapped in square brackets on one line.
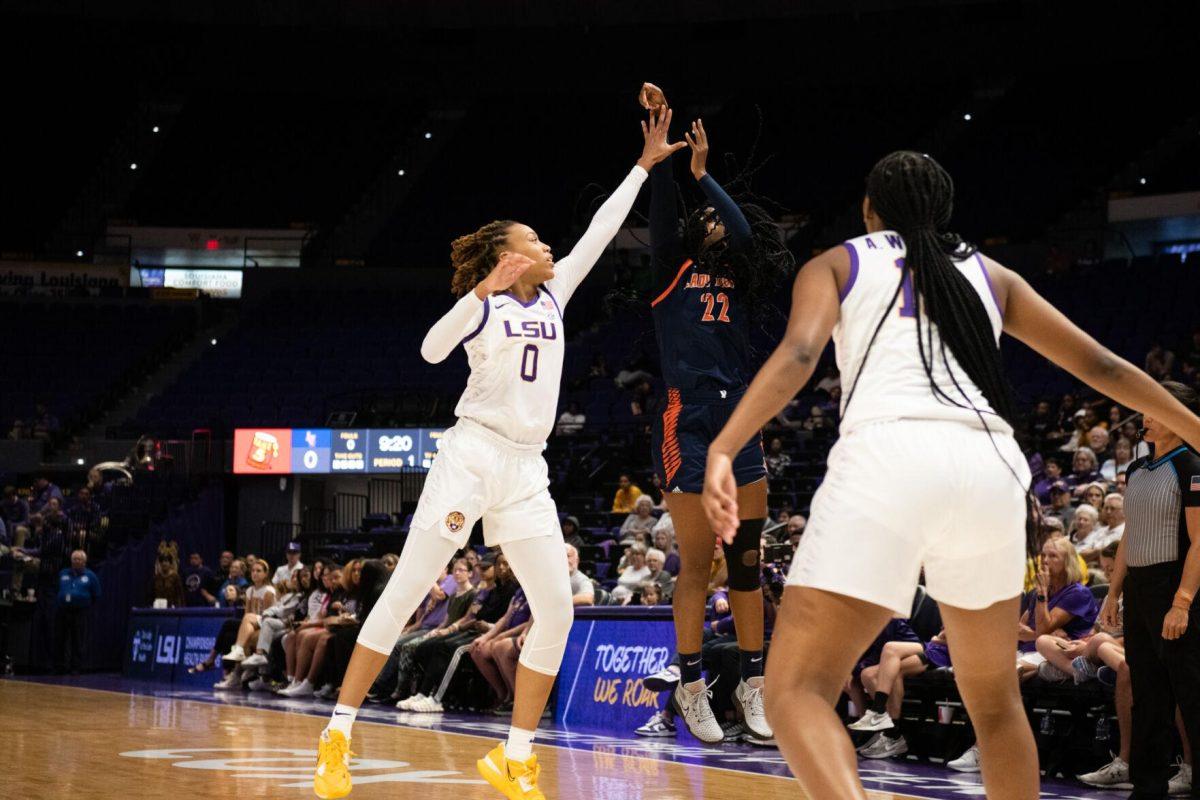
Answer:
[(914, 195)]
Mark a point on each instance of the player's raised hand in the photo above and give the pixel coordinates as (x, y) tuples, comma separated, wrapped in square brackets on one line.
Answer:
[(652, 98), (720, 497), (698, 141), (656, 148), (510, 267)]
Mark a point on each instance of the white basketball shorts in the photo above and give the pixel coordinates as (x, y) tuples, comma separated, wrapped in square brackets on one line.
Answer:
[(479, 474), (908, 494)]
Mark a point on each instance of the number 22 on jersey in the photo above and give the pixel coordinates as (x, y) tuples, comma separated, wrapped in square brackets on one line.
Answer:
[(710, 301)]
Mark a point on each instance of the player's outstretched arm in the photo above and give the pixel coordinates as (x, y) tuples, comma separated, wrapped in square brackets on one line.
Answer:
[(470, 312), (815, 308), (1031, 318), (736, 226), (571, 271)]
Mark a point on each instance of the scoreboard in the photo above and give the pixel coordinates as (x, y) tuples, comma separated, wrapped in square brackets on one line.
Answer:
[(324, 451)]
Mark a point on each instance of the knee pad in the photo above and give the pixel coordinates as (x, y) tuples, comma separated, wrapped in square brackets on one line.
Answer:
[(742, 557), (547, 640)]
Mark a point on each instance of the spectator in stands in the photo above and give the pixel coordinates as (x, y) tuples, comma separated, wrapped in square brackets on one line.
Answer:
[(5, 539), (166, 584), (489, 649), (1059, 602), (85, 519), (1088, 535), (45, 424), (1112, 516), (313, 649), (14, 510), (664, 540), (475, 562), (1159, 361), (197, 579), (236, 579), (571, 421), (1120, 483), (55, 524), (639, 525), (636, 572), (1041, 424), (19, 430), (288, 570), (260, 596), (1098, 441), (583, 592), (1085, 470), (439, 657), (26, 555), (78, 590), (816, 420), (291, 608), (795, 529), (643, 402), (570, 532), (1121, 458), (901, 656), (1093, 494), (101, 489), (1060, 503), (43, 492), (320, 604), (655, 492), (447, 602), (626, 495), (655, 560), (777, 460), (1052, 472), (652, 594)]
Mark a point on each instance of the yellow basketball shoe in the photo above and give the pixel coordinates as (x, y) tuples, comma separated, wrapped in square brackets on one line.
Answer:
[(516, 780), (332, 779)]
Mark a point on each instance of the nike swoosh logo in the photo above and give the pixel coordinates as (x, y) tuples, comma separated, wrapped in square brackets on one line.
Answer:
[(502, 305), (755, 660), (694, 663)]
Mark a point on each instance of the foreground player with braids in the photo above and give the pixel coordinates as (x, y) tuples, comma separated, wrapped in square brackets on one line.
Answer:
[(713, 272), (490, 467), (916, 318)]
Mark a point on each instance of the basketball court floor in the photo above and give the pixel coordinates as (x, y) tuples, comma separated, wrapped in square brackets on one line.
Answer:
[(108, 738)]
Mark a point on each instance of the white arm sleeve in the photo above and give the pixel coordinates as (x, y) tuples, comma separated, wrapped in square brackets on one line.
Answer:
[(571, 271), (467, 315)]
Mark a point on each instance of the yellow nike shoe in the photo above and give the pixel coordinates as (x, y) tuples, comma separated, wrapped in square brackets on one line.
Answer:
[(516, 780), (332, 779)]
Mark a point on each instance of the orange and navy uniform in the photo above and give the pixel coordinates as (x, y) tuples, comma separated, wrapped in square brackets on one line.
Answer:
[(703, 342)]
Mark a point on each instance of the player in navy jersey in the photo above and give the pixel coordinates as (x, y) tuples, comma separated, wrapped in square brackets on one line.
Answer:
[(926, 442), (708, 269)]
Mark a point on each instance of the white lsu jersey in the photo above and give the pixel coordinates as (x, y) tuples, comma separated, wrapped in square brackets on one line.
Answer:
[(893, 385), (516, 358)]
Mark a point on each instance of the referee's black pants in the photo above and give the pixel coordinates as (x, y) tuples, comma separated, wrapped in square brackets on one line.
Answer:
[(1162, 673)]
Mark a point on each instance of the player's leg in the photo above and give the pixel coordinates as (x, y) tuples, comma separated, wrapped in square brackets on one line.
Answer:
[(540, 564), (982, 643), (830, 631), (696, 543)]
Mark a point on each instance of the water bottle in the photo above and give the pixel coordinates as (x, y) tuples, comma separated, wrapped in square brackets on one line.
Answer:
[(1102, 729)]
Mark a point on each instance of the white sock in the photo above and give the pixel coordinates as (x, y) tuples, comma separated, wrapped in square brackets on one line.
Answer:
[(342, 719), (519, 746)]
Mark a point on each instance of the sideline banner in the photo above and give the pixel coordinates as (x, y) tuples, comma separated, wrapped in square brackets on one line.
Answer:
[(53, 277), (610, 651), (164, 643)]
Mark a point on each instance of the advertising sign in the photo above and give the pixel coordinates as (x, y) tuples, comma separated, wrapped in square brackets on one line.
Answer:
[(262, 451), (605, 664)]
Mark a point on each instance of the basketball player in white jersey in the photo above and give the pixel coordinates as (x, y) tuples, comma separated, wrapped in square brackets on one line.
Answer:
[(490, 466), (926, 441)]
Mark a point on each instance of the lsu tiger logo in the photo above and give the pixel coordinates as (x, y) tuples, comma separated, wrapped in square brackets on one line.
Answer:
[(455, 520)]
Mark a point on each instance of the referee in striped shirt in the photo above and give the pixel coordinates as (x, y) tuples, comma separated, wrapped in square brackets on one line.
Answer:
[(1158, 571)]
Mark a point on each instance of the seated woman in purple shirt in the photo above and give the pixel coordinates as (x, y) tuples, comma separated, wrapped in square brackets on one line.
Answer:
[(1059, 610)]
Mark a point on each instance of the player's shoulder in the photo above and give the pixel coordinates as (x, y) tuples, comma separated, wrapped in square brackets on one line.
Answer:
[(879, 242)]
